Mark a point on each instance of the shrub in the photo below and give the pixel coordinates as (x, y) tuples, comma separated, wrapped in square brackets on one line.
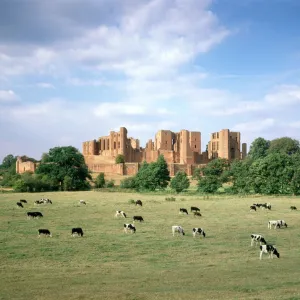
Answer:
[(100, 181), (180, 182), (120, 159), (128, 183), (131, 201), (170, 199), (110, 183)]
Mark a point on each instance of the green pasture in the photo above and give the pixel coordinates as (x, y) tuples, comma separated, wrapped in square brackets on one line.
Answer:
[(151, 264)]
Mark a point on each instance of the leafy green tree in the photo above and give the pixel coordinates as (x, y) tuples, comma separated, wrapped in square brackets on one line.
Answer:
[(100, 181), (284, 145), (163, 172), (259, 148), (8, 161), (120, 159), (209, 184), (67, 183), (128, 183), (66, 161), (20, 186), (180, 182), (110, 183)]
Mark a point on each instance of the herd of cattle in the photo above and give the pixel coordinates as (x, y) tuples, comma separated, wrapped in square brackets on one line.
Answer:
[(255, 238)]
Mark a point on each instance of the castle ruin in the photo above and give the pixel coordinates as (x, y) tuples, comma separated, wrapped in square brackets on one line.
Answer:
[(181, 150)]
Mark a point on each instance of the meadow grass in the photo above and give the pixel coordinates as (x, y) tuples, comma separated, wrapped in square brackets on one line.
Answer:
[(151, 264)]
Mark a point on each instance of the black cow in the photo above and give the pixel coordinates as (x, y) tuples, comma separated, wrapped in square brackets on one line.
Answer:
[(138, 218), (139, 202), (34, 214), (23, 200), (20, 204), (194, 208), (77, 231), (183, 210), (293, 208), (252, 207), (45, 232), (197, 213)]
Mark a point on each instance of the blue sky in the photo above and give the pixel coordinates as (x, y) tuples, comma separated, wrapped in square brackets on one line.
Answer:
[(71, 71)]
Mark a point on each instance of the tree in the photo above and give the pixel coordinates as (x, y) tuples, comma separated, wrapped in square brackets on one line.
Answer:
[(67, 183), (100, 181), (259, 148), (66, 161), (163, 172), (153, 176), (209, 184), (8, 161), (120, 159), (180, 182), (128, 183), (284, 145)]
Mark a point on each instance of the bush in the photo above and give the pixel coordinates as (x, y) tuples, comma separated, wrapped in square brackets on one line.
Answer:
[(100, 181), (120, 159), (180, 182), (170, 199), (110, 183), (128, 183), (131, 201)]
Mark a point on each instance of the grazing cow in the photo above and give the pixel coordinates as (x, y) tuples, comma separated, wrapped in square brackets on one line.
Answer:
[(273, 223), (77, 231), (257, 238), (194, 208), (293, 208), (23, 201), (139, 202), (268, 249), (120, 213), (282, 223), (138, 218), (183, 210), (38, 202), (82, 202), (44, 232), (199, 231), (20, 204), (34, 214), (257, 204), (130, 227), (45, 200), (178, 229), (266, 205), (197, 213), (252, 207)]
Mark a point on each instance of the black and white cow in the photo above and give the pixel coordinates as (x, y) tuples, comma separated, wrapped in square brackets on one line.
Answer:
[(194, 208), (138, 218), (23, 201), (257, 204), (268, 249), (44, 232), (266, 205), (273, 223), (282, 223), (129, 227), (46, 200), (197, 213), (82, 202), (139, 202), (38, 202), (183, 211), (199, 231), (77, 231), (293, 208), (120, 213), (178, 229), (19, 204), (255, 238), (253, 207)]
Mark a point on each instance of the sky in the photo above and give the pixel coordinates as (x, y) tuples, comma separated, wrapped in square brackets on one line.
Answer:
[(74, 70)]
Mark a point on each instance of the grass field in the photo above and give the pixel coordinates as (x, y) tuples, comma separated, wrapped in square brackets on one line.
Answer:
[(151, 264)]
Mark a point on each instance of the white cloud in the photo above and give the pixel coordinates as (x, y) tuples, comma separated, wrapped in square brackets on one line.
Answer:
[(8, 96), (45, 85), (255, 126)]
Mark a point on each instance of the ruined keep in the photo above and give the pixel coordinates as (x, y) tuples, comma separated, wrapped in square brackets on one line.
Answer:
[(181, 150)]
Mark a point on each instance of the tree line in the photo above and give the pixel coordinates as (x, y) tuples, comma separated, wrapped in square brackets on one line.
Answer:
[(271, 167)]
